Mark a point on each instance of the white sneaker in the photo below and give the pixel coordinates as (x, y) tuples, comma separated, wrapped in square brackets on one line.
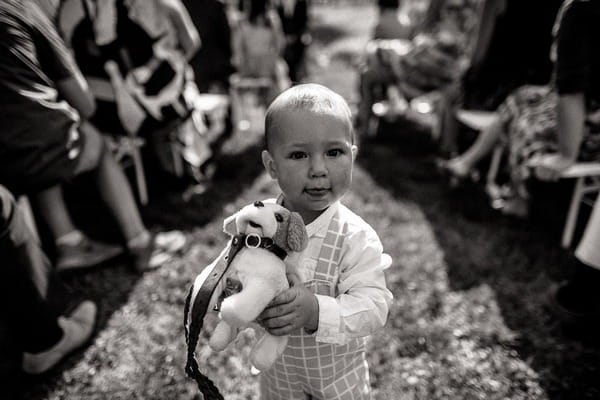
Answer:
[(77, 329)]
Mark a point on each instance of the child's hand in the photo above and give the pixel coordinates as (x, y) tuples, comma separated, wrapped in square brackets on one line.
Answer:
[(295, 308)]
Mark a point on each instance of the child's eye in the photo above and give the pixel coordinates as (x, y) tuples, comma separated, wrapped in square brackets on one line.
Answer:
[(297, 155), (335, 152)]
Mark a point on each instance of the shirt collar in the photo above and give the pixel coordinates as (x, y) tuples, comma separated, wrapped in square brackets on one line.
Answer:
[(322, 221)]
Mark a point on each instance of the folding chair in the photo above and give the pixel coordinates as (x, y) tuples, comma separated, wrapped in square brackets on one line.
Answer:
[(587, 174), (126, 148), (245, 95)]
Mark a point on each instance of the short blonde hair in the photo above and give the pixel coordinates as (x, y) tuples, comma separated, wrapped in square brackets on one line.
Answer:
[(307, 97)]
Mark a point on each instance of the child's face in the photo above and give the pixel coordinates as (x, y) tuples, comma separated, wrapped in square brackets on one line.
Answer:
[(311, 155)]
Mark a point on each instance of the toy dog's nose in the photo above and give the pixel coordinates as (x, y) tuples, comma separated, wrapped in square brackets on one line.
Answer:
[(258, 204)]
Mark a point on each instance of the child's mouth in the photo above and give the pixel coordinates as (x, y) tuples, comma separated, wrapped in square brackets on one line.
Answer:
[(317, 191)]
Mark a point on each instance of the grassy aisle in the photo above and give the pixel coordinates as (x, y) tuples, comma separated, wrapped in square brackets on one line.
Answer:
[(468, 319)]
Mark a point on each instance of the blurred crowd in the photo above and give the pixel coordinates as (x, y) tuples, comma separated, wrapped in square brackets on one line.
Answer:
[(526, 75), (83, 83)]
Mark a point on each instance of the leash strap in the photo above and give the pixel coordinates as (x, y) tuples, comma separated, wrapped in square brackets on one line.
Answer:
[(202, 300)]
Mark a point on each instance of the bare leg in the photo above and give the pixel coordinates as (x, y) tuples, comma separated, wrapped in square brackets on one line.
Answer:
[(50, 203), (485, 143), (111, 182), (147, 251), (116, 192)]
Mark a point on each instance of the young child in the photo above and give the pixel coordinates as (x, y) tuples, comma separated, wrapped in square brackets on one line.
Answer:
[(339, 295)]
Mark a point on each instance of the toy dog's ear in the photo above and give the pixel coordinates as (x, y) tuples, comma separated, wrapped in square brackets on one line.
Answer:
[(229, 225), (297, 238)]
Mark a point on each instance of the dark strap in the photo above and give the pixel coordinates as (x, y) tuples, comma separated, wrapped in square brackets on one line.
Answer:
[(254, 241), (202, 300), (196, 321)]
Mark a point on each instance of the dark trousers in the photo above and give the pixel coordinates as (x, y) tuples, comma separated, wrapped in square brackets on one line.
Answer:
[(23, 308)]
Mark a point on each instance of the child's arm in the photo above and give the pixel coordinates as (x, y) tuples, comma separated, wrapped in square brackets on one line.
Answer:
[(362, 306), (360, 309)]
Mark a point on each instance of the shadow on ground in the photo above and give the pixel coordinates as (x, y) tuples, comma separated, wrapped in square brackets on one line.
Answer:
[(110, 285), (520, 260)]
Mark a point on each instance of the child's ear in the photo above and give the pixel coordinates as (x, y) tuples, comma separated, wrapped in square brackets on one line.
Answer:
[(354, 150), (269, 163)]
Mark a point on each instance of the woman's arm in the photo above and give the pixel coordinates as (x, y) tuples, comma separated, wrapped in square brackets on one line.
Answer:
[(570, 124), (573, 75)]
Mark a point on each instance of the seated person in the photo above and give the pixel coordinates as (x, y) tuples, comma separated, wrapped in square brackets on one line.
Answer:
[(212, 63), (259, 44), (294, 22), (46, 338), (47, 141), (548, 127), (434, 59), (135, 56), (512, 50)]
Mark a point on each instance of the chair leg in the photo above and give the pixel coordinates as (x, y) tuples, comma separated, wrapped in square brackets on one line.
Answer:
[(494, 165), (573, 211)]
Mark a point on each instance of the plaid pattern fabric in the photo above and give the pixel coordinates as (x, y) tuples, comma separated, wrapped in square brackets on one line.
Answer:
[(311, 370)]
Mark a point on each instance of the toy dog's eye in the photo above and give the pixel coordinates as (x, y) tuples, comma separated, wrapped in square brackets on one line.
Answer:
[(278, 217), (258, 204)]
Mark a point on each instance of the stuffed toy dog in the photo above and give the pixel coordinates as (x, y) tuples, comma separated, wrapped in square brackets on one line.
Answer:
[(243, 280)]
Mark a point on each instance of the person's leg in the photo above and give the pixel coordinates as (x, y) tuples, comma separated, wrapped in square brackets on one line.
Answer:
[(45, 337), (486, 141), (35, 325), (73, 248), (113, 186), (116, 193), (50, 204)]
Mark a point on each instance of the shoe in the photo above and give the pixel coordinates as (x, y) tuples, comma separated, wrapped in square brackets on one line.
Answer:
[(160, 248), (456, 172), (86, 253), (77, 330), (514, 207)]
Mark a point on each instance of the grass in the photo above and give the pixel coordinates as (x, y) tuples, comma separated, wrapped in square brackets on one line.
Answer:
[(469, 319)]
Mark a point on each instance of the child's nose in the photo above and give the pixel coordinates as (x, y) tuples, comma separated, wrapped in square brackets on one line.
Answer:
[(318, 167)]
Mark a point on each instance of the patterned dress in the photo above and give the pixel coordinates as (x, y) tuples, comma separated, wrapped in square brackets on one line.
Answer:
[(314, 370), (529, 119)]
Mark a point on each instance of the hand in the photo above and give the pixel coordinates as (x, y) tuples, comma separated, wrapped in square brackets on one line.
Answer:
[(295, 308), (551, 166)]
